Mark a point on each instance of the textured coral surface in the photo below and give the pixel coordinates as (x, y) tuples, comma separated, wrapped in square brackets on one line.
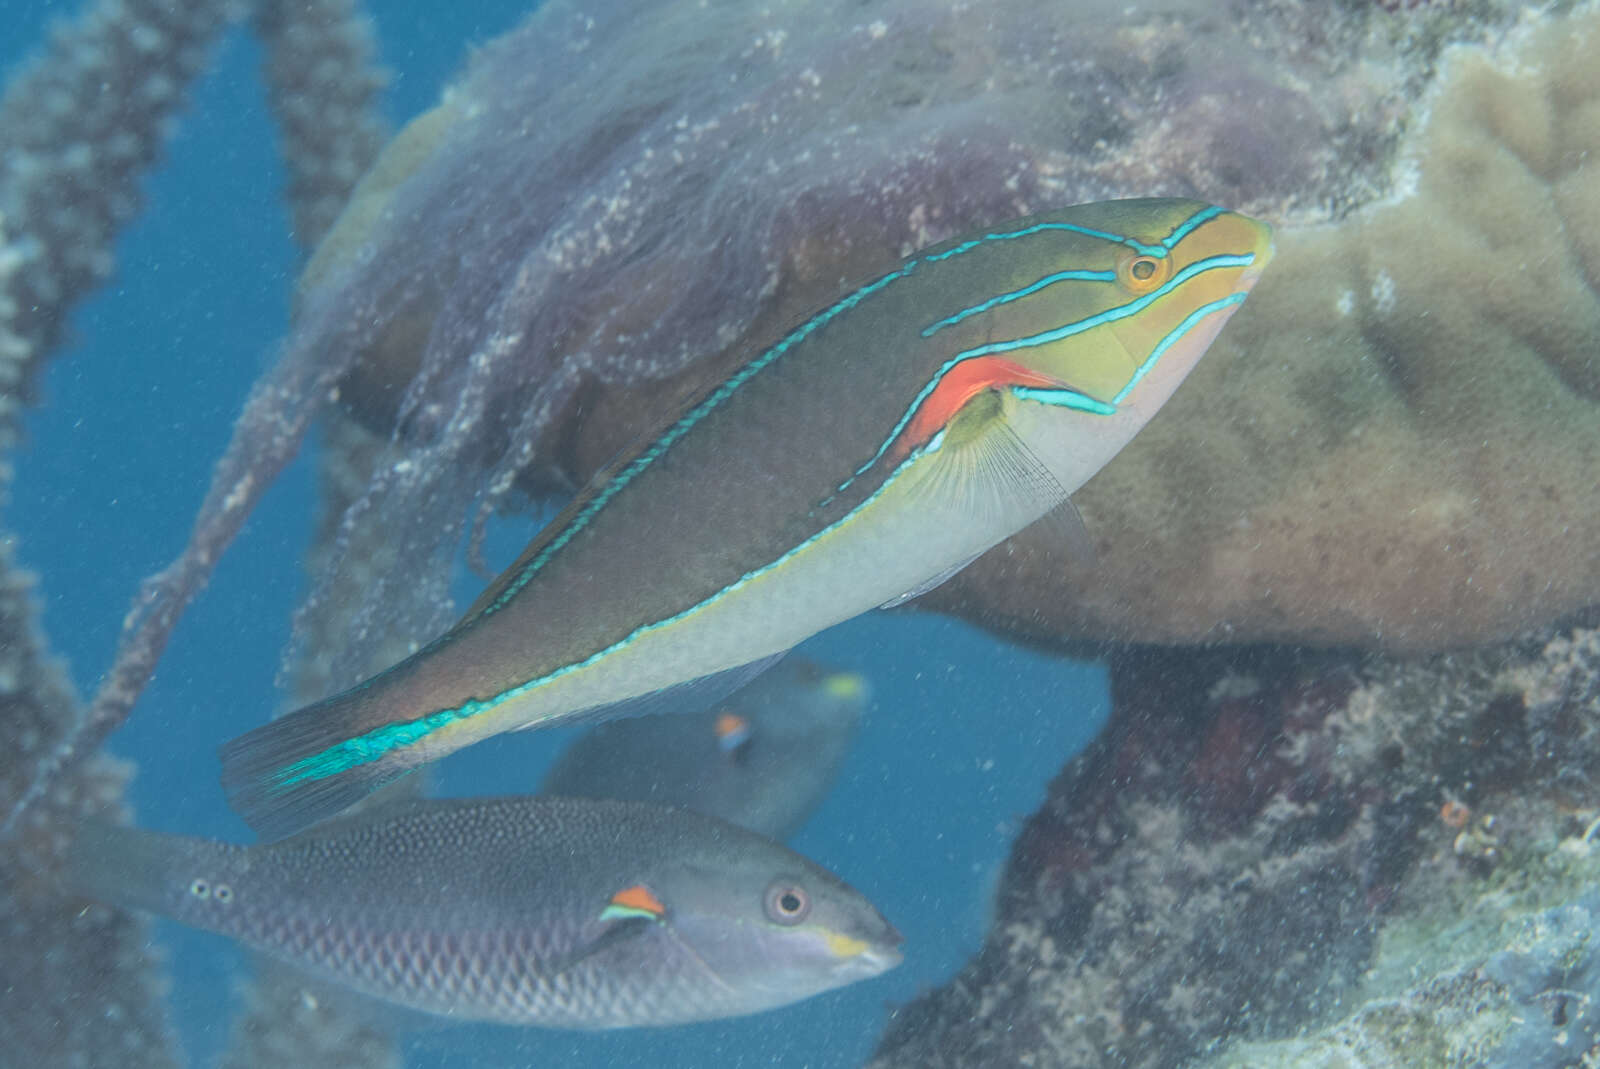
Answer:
[(1265, 840), (1397, 441), (81, 123)]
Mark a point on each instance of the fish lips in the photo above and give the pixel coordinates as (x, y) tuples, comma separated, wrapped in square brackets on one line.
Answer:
[(873, 961), (771, 966)]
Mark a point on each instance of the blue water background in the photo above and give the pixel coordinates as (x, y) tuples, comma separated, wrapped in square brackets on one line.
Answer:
[(963, 733)]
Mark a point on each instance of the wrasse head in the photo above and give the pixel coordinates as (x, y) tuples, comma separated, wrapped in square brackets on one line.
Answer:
[(774, 934), (1180, 271)]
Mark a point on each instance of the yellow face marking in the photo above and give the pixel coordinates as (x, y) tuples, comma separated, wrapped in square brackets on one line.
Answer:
[(843, 946)]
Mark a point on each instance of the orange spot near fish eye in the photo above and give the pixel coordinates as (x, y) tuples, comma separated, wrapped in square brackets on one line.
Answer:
[(959, 385), (1140, 274), (637, 900)]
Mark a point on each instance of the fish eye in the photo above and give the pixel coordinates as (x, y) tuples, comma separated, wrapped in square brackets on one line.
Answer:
[(787, 903), (200, 889), (222, 893), (1141, 273)]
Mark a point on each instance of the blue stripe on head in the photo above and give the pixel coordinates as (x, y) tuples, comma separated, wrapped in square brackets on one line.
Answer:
[(1172, 338), (1188, 226), (1017, 295), (1110, 315)]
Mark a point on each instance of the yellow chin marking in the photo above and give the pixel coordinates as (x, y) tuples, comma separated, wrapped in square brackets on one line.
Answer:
[(843, 946)]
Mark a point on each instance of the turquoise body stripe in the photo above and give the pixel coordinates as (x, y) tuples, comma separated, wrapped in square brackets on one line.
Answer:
[(1110, 315), (1188, 226), (377, 743), (1172, 337), (799, 334)]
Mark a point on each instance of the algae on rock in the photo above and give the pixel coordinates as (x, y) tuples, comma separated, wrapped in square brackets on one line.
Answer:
[(1266, 839)]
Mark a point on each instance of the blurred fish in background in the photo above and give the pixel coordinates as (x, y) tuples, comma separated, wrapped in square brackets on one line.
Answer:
[(763, 759), (562, 913)]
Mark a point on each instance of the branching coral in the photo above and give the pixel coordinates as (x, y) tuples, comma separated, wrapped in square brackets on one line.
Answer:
[(80, 125)]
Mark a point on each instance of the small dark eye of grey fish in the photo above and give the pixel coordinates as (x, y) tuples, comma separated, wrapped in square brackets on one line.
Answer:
[(787, 903)]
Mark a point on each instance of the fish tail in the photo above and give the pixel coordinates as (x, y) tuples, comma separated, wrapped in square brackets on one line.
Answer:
[(313, 763), (137, 869)]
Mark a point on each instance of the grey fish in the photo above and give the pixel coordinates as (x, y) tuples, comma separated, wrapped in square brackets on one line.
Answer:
[(763, 759), (563, 913)]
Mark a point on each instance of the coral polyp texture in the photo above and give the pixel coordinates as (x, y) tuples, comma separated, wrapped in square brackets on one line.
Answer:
[(1398, 442)]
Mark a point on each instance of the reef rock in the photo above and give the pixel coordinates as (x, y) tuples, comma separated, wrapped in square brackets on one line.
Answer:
[(1266, 839)]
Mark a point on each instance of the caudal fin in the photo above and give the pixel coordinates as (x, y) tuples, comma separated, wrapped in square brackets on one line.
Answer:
[(307, 766)]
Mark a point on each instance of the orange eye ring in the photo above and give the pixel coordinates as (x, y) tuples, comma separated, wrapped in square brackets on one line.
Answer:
[(1140, 273)]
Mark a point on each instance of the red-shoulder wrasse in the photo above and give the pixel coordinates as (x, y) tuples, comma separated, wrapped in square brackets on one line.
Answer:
[(562, 913), (867, 455), (762, 759)]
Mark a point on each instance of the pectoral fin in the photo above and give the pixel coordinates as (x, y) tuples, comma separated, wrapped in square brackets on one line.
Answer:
[(978, 462), (629, 914), (1066, 527), (612, 934)]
